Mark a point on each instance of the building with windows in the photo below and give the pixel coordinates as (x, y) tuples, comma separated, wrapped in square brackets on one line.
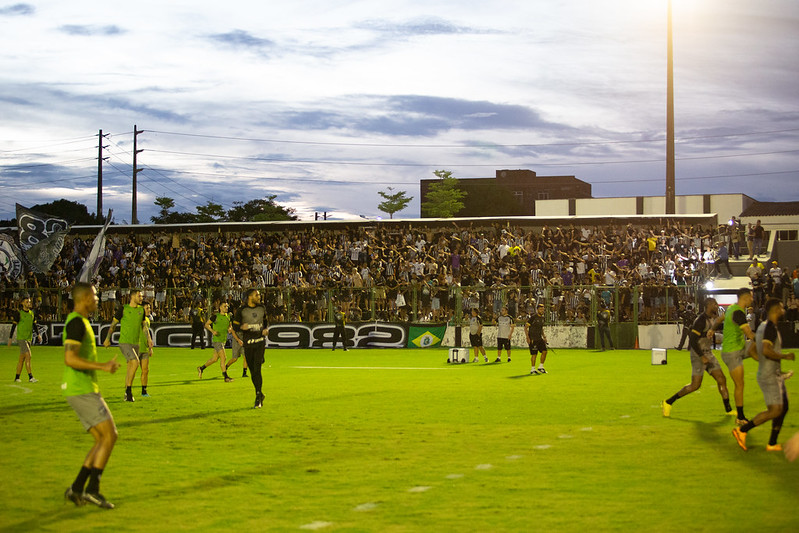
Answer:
[(512, 192)]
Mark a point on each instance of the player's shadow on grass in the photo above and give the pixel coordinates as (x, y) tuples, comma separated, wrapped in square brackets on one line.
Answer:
[(34, 408), (521, 376), (68, 511), (180, 418)]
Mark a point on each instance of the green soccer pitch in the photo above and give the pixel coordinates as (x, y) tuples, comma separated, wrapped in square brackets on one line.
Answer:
[(397, 440)]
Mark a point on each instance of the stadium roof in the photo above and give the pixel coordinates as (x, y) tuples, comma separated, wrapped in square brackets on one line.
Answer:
[(771, 209)]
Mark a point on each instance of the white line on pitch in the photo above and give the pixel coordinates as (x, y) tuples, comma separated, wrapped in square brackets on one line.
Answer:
[(25, 390), (368, 367)]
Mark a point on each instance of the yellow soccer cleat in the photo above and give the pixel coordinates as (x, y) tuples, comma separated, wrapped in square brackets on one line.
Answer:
[(666, 407), (740, 437), (775, 448)]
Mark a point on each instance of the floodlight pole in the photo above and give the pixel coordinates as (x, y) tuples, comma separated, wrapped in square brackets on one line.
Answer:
[(670, 200)]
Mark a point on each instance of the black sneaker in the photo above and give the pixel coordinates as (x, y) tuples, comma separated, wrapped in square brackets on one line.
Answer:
[(498, 360), (509, 359), (97, 499), (244, 374), (129, 398), (73, 496), (259, 401)]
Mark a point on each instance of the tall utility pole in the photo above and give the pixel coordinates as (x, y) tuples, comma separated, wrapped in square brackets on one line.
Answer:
[(670, 200), (134, 216), (100, 173)]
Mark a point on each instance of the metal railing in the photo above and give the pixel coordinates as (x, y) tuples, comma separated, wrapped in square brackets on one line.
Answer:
[(646, 304)]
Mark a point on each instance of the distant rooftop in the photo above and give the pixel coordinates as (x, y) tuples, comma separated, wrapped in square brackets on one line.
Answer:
[(771, 209)]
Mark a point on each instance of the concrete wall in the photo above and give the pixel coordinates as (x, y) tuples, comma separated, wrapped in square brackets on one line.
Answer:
[(655, 205), (693, 204), (605, 206), (552, 208)]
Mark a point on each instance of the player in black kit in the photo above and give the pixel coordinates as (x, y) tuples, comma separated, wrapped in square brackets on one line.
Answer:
[(536, 339), (251, 326)]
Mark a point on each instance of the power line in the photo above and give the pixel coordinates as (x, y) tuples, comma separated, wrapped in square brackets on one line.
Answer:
[(467, 165), (17, 167), (463, 145), (361, 182), (55, 143)]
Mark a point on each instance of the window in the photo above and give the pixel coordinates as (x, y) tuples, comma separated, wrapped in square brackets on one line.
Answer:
[(543, 195), (519, 195)]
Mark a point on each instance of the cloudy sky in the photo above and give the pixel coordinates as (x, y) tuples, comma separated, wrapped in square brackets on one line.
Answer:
[(324, 103)]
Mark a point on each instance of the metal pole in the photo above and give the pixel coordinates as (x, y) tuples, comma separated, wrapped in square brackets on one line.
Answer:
[(100, 174), (134, 219), (670, 199)]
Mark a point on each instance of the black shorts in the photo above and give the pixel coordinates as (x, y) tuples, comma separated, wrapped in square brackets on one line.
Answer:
[(503, 343), (538, 345), (476, 339)]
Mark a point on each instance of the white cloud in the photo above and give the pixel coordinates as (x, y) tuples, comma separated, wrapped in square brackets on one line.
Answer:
[(396, 73)]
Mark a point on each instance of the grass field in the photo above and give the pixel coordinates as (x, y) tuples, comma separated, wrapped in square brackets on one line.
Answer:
[(397, 440)]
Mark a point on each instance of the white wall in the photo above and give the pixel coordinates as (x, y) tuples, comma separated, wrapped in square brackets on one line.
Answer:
[(656, 205), (726, 205), (692, 204), (605, 206), (658, 336), (552, 208)]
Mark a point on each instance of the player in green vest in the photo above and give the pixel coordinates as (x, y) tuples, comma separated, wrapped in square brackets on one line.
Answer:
[(734, 348), (25, 324), (83, 395), (145, 349), (131, 321), (219, 326)]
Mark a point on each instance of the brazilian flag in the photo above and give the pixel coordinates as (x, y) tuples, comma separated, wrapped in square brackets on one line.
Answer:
[(425, 337)]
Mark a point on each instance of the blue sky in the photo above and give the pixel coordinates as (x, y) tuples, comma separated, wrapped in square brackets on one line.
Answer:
[(324, 103)]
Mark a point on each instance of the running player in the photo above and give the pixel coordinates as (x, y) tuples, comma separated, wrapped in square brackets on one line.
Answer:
[(769, 377), (702, 359), (734, 347), (536, 339), (476, 335), (25, 324), (251, 326), (219, 326), (505, 327), (131, 320), (236, 351), (83, 395), (145, 349)]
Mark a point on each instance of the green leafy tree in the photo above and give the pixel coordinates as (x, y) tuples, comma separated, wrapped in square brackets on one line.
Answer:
[(211, 212), (260, 210), (443, 198), (72, 212), (165, 205), (394, 201)]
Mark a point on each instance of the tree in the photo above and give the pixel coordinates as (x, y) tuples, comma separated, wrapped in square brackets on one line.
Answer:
[(165, 204), (260, 210), (211, 212), (443, 198), (394, 201), (72, 212)]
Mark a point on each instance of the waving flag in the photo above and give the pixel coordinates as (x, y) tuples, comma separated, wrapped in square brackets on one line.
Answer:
[(10, 255), (92, 264), (41, 237)]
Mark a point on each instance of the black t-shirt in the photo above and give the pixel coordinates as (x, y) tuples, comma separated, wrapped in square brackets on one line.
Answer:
[(250, 315), (535, 326), (699, 330)]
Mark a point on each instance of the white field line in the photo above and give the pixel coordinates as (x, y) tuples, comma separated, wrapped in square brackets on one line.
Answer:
[(368, 368)]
